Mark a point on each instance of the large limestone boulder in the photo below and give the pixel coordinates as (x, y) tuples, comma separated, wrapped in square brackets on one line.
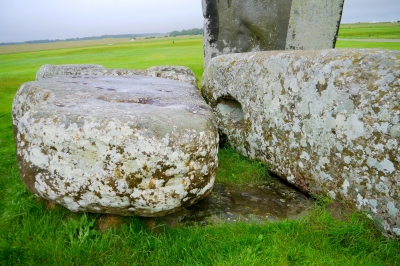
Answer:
[(327, 121), (124, 145), (180, 73), (236, 26), (48, 71)]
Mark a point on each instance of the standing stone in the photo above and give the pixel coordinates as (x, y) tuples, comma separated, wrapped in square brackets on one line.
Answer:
[(132, 145), (236, 26), (328, 121)]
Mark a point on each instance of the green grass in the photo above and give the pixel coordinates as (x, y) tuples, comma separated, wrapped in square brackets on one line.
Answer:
[(18, 68), (32, 233), (235, 168), (61, 238), (368, 45), (366, 31), (370, 30)]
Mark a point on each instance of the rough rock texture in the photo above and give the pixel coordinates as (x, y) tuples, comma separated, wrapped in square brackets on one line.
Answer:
[(313, 24), (124, 145), (180, 73), (235, 26), (328, 121)]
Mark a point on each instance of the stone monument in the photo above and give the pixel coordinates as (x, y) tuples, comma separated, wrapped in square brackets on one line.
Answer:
[(236, 26), (126, 145), (327, 121)]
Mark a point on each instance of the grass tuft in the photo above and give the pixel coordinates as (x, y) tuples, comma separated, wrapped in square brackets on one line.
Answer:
[(235, 168)]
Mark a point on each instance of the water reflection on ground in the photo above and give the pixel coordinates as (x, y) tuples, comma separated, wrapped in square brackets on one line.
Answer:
[(271, 200)]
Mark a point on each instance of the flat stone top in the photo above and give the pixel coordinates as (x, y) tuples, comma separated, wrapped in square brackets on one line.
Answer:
[(135, 98)]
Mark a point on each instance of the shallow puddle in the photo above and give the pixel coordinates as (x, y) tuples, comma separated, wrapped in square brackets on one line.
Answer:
[(271, 200)]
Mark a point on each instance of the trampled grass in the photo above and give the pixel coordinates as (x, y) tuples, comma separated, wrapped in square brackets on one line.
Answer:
[(35, 233), (20, 48)]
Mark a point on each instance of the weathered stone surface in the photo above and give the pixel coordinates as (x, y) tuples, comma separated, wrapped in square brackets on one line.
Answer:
[(235, 26), (123, 145), (180, 73), (313, 24), (48, 71), (327, 121)]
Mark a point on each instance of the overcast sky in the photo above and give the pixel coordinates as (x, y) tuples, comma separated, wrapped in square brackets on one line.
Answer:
[(23, 20)]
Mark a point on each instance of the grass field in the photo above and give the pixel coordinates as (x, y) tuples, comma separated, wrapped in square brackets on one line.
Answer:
[(20, 48), (368, 45), (35, 233), (370, 30)]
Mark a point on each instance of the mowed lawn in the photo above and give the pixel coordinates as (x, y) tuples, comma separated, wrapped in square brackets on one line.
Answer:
[(33, 232), (370, 30)]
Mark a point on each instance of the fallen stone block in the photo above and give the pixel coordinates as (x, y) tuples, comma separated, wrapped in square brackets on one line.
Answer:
[(237, 26), (48, 71), (327, 121), (132, 145), (180, 73)]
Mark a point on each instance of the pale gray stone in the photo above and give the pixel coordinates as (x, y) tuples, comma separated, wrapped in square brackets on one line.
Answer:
[(180, 73), (236, 26), (327, 121), (48, 71), (131, 145)]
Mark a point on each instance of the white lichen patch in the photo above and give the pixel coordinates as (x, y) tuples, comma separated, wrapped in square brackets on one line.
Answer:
[(327, 121), (115, 145)]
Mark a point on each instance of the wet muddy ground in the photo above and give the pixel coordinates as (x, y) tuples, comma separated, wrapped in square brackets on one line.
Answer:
[(271, 200)]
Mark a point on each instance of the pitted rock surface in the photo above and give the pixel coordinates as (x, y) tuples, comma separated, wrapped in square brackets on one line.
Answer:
[(179, 73), (328, 121), (123, 145), (236, 26), (48, 71)]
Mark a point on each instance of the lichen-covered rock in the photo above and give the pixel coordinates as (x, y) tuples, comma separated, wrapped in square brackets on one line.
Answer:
[(236, 26), (48, 71), (328, 121), (124, 145), (180, 73)]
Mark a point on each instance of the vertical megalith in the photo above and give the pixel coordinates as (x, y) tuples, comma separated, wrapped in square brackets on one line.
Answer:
[(234, 26), (313, 24)]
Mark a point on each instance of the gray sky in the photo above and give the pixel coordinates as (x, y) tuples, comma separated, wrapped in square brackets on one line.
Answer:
[(23, 20), (370, 10)]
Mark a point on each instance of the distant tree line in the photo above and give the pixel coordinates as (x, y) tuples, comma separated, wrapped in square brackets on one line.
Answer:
[(193, 31), (130, 36)]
